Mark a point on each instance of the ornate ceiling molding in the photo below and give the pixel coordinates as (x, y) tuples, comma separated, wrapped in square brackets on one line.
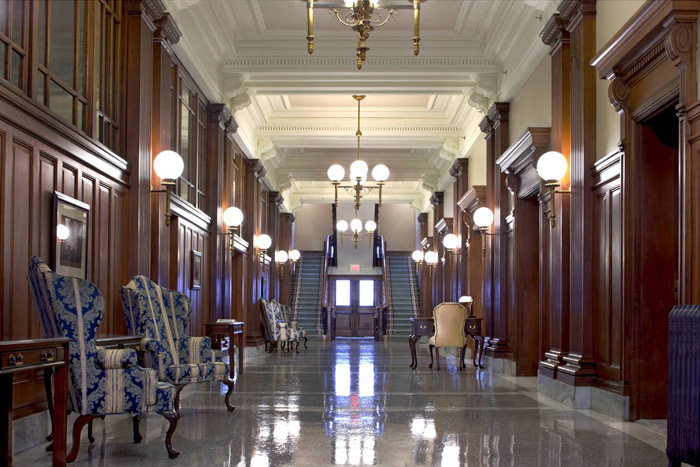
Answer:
[(313, 64)]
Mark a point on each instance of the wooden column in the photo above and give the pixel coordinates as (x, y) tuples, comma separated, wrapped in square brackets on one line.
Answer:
[(498, 344), (273, 225), (251, 228), (426, 288), (286, 244), (486, 126), (447, 267), (165, 35), (474, 257), (554, 242), (522, 247), (437, 200), (140, 25), (218, 125), (460, 172), (579, 367)]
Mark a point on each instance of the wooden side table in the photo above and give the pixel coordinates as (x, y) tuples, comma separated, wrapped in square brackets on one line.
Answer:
[(37, 354), (118, 341), (426, 327), (218, 330)]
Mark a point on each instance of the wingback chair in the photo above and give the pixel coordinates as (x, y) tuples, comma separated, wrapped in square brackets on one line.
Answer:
[(288, 317), (103, 381), (161, 316), (276, 328), (449, 321)]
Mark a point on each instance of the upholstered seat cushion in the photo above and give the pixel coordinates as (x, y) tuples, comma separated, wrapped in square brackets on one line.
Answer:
[(189, 373)]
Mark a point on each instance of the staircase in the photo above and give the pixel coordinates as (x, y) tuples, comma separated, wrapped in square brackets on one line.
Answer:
[(306, 287), (403, 288)]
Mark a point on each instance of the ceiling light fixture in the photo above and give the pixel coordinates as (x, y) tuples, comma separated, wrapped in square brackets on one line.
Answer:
[(358, 172), (356, 229), (362, 16)]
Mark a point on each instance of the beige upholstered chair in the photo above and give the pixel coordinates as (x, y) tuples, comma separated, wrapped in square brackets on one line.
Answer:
[(449, 330)]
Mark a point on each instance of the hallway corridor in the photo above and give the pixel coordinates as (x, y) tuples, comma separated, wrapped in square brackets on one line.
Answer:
[(356, 402)]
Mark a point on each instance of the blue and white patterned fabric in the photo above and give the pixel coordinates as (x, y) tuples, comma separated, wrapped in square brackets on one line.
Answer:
[(40, 289), (103, 381), (279, 329), (287, 316), (163, 317)]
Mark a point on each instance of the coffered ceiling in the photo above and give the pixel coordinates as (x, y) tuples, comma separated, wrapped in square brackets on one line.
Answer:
[(296, 113)]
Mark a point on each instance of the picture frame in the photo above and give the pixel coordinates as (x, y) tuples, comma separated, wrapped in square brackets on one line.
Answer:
[(71, 224), (196, 270)]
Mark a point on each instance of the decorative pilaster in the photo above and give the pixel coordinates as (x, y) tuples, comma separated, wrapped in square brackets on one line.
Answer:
[(460, 172)]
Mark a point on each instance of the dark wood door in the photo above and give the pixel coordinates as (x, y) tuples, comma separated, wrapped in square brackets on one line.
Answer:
[(355, 304)]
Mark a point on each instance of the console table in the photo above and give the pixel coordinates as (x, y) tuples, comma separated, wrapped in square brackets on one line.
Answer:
[(218, 330), (426, 327), (32, 355)]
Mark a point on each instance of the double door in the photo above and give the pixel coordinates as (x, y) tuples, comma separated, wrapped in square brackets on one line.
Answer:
[(355, 306)]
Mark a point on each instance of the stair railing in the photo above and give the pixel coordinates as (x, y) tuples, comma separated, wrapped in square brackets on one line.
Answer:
[(296, 282), (383, 318)]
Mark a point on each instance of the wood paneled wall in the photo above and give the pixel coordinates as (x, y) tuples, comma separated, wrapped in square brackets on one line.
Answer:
[(41, 153)]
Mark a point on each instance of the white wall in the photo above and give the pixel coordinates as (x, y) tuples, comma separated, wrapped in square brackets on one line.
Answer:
[(347, 254), (448, 201), (397, 223), (311, 226), (477, 164), (611, 15), (531, 106)]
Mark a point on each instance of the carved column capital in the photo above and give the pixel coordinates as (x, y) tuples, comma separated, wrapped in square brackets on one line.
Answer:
[(437, 199), (618, 92), (486, 126), (555, 32), (423, 218), (166, 29), (459, 167)]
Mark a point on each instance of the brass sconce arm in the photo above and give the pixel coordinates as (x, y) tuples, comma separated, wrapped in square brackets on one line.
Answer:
[(484, 231), (169, 188), (552, 186)]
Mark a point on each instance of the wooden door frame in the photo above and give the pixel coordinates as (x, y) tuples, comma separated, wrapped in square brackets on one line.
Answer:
[(650, 63), (357, 278)]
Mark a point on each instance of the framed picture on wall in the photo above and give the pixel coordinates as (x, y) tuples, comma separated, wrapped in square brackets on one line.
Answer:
[(71, 220), (196, 269)]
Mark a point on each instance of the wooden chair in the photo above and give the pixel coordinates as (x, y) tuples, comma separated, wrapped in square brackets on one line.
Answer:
[(449, 331)]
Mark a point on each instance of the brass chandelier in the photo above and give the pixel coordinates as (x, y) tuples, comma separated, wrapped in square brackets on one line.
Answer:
[(362, 16)]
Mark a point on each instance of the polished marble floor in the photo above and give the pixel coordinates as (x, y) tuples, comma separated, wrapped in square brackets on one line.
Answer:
[(356, 402)]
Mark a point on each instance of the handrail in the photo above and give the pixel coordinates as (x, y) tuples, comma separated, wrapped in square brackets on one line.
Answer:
[(328, 314)]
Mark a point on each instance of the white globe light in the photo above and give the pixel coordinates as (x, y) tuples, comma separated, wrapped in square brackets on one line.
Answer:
[(356, 225), (465, 299), (483, 217), (450, 241), (431, 257), (233, 217), (552, 165), (62, 232), (359, 169), (294, 255), (370, 226), (380, 173), (341, 226), (168, 165), (281, 256), (336, 172), (417, 256), (263, 242)]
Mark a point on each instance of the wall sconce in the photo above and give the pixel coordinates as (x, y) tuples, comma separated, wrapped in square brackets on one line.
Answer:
[(431, 259), (551, 167), (281, 258), (468, 302), (450, 242), (336, 173), (233, 218), (294, 256), (483, 219), (417, 256), (168, 165), (262, 243)]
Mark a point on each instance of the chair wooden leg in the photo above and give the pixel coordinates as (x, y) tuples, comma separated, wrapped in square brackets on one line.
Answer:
[(463, 365), (136, 420), (48, 373), (80, 422), (90, 437), (297, 347), (437, 356), (229, 385), (172, 418), (305, 341), (176, 406), (431, 356)]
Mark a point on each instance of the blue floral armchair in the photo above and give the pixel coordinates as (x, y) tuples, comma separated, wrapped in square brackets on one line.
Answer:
[(289, 318), (162, 317), (103, 382), (276, 327)]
